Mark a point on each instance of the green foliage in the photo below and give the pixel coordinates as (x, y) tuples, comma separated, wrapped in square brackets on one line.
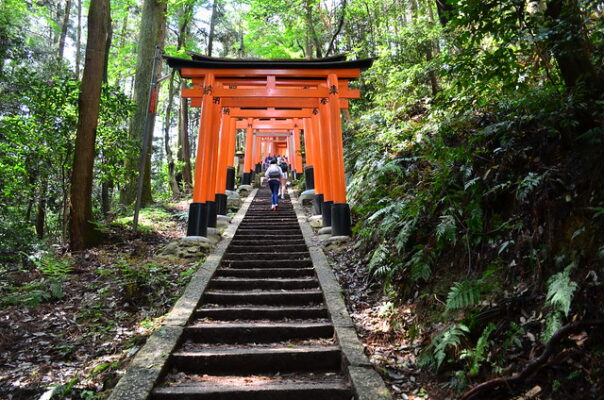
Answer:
[(560, 290), (448, 340), (464, 294), (477, 355)]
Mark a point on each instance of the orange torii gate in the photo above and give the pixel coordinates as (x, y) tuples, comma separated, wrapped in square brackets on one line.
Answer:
[(221, 86)]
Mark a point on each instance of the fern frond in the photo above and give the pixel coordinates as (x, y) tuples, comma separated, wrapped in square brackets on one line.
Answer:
[(445, 231), (379, 263), (463, 294), (560, 290), (527, 185), (403, 236)]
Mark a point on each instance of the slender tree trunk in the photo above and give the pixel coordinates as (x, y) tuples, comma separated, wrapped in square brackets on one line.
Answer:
[(78, 40), (444, 9), (64, 28), (106, 198), (83, 233), (183, 138), (152, 34), (167, 124), (213, 20), (41, 209), (308, 18)]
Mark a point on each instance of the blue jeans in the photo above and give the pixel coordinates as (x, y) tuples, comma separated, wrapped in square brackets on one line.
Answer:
[(274, 185)]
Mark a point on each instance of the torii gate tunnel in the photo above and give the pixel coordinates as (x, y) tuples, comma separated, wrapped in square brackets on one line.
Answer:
[(276, 102)]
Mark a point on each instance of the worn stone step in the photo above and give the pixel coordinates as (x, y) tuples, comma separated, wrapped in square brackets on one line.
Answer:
[(260, 242), (268, 248), (263, 283), (257, 255), (262, 312), (297, 297), (265, 272), (258, 361), (271, 227), (267, 238), (266, 234), (256, 332), (289, 391), (279, 263)]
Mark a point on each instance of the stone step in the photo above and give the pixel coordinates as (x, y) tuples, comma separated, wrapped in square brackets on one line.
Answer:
[(258, 361), (267, 237), (263, 283), (257, 255), (297, 297), (265, 272), (279, 263), (267, 248), (261, 312), (276, 391), (256, 332), (259, 242)]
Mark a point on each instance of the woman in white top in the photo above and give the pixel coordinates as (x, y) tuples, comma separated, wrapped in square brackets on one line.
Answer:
[(274, 174)]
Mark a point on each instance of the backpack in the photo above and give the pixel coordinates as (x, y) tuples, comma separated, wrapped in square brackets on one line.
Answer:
[(274, 174)]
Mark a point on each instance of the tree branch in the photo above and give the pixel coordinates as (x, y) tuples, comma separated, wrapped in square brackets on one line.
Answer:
[(478, 391), (339, 29)]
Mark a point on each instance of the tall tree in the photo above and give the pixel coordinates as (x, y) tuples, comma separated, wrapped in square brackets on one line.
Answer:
[(83, 234), (570, 45), (213, 21), (184, 148), (64, 27), (152, 34)]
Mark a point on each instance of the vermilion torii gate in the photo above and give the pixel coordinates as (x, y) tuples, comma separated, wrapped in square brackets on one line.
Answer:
[(269, 98)]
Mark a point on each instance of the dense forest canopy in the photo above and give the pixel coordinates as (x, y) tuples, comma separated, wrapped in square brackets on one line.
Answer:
[(473, 158)]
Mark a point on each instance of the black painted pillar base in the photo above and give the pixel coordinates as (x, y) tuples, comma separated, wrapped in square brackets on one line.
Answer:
[(221, 204), (258, 168), (341, 224), (317, 203), (230, 178), (212, 214), (246, 179), (299, 175), (309, 175), (197, 224), (326, 212)]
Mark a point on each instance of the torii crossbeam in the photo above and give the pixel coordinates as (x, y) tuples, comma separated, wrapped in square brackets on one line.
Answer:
[(296, 97)]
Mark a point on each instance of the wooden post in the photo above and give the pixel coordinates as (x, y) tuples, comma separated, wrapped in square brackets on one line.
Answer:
[(198, 221), (341, 223), (249, 156)]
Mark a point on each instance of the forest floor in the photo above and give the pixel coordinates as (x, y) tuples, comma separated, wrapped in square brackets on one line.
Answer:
[(74, 329), (71, 323), (386, 331)]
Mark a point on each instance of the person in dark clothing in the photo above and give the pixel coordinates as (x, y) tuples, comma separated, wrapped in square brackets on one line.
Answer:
[(274, 174)]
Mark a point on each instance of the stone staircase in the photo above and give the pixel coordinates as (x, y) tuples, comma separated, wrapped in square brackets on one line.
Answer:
[(262, 329)]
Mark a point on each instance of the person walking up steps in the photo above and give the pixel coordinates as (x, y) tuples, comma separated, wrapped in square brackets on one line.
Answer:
[(283, 165), (274, 174)]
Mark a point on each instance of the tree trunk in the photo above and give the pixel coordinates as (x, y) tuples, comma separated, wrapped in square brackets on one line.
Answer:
[(183, 138), (78, 40), (41, 209), (83, 234), (64, 28), (213, 20), (308, 10), (444, 9), (106, 198), (569, 43), (152, 34), (168, 123)]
